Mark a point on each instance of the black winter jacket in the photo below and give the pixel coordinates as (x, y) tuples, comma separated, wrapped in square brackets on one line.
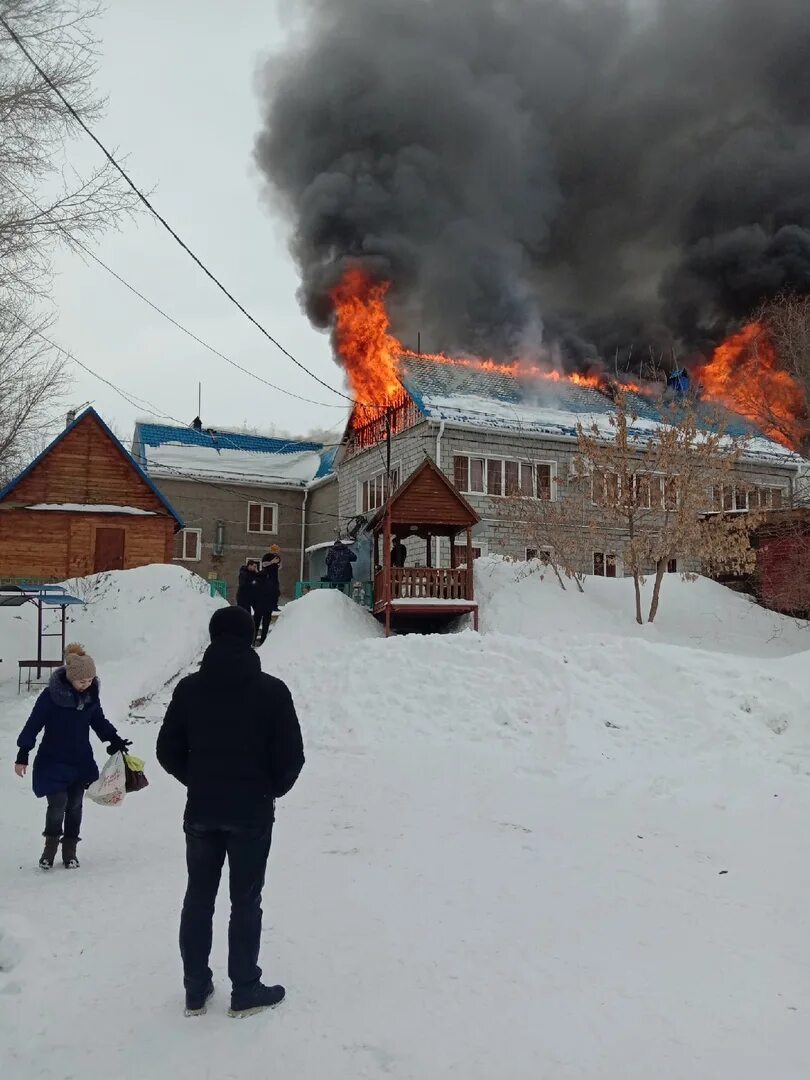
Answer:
[(231, 735)]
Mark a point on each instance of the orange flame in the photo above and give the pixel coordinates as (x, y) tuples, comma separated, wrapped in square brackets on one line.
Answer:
[(371, 355), (744, 376)]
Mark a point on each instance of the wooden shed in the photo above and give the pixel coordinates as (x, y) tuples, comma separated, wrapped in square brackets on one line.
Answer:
[(425, 506), (83, 506)]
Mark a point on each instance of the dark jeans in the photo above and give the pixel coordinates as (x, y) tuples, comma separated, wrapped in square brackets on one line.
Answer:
[(262, 621), (247, 850), (65, 812)]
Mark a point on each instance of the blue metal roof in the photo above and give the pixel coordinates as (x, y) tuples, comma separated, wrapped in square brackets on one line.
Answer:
[(159, 434), (91, 412)]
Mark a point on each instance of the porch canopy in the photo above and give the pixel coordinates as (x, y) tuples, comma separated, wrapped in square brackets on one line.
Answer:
[(425, 506)]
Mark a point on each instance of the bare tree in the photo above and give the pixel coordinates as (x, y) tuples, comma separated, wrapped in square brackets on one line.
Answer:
[(32, 381), (564, 531), (786, 320), (665, 489), (41, 204)]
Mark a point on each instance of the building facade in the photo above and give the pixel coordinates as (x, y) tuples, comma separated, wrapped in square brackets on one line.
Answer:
[(493, 435), (239, 495)]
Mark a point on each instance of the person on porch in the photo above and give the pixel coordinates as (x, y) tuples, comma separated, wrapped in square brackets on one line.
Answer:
[(399, 554)]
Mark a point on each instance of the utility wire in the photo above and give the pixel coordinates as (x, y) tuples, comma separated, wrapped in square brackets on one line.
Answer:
[(147, 203)]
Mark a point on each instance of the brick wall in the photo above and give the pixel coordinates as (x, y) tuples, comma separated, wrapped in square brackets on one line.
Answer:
[(493, 534), (204, 506)]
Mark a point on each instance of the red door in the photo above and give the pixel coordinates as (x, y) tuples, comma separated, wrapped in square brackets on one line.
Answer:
[(109, 550)]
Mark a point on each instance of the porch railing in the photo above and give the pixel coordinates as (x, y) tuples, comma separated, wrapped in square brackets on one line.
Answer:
[(428, 583)]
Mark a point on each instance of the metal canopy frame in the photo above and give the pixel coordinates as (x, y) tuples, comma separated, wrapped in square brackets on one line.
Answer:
[(42, 596)]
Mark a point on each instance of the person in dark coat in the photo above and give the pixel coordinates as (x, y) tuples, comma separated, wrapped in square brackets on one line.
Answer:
[(247, 585), (272, 564), (265, 601), (231, 736), (399, 554), (339, 559), (64, 766)]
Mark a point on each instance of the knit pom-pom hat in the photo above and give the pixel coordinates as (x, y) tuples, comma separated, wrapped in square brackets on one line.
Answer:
[(78, 664)]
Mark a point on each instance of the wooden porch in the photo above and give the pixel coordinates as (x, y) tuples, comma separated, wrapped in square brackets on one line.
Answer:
[(425, 507)]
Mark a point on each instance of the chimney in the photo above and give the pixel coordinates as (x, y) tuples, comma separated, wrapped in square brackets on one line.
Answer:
[(71, 416), (678, 381)]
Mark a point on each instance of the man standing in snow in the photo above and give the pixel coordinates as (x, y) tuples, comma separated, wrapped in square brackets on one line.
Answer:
[(339, 559), (231, 735)]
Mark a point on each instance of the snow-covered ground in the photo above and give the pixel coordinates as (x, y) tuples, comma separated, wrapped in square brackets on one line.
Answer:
[(568, 848)]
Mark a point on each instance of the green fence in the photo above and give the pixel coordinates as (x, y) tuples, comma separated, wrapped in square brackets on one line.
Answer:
[(218, 588), (360, 591)]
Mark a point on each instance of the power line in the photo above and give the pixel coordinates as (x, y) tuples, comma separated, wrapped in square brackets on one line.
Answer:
[(145, 200), (96, 258)]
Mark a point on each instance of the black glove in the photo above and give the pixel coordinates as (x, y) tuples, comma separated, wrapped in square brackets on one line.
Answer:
[(119, 745), (22, 757)]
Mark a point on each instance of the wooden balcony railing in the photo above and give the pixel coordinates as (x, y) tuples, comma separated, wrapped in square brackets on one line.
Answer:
[(423, 583)]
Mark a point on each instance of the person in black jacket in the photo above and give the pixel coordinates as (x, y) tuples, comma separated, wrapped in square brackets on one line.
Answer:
[(231, 735), (265, 598), (247, 585)]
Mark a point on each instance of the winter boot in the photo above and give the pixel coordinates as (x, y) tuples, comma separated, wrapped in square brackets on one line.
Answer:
[(255, 1000), (69, 852), (49, 854), (197, 1003)]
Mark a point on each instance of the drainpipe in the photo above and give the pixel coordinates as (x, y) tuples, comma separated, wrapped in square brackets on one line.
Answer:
[(303, 533), (439, 434)]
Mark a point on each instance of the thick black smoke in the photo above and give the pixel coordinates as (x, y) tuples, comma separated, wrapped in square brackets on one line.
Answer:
[(593, 174)]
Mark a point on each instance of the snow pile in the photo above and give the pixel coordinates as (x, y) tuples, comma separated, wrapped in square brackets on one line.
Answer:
[(141, 626), (526, 600), (322, 622), (568, 846)]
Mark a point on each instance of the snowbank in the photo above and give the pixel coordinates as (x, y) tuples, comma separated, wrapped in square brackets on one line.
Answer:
[(523, 600), (323, 622), (141, 626)]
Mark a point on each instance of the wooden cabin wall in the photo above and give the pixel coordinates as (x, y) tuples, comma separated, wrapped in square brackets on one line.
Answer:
[(60, 545), (86, 467)]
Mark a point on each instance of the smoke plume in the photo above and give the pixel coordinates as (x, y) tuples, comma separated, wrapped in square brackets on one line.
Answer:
[(594, 174)]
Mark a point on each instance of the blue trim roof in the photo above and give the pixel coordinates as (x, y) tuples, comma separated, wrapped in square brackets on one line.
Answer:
[(91, 412), (160, 434)]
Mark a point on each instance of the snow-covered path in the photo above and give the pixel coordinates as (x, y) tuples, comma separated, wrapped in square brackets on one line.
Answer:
[(448, 900)]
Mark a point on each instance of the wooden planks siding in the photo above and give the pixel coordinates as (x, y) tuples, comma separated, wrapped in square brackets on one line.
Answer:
[(86, 467), (428, 501), (60, 545)]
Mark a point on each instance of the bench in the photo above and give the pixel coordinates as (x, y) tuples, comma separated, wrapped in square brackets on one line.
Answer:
[(41, 665)]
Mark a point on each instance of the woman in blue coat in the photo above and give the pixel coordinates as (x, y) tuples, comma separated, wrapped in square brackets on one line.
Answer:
[(64, 766)]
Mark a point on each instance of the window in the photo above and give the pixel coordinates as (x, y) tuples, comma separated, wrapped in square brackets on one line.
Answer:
[(262, 518), (460, 553), (542, 555), (766, 498), (604, 487), (188, 545), (371, 494), (496, 477), (643, 487), (672, 566), (604, 565), (671, 493), (730, 497)]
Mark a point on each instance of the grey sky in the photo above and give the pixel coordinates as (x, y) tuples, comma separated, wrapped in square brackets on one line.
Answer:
[(182, 106)]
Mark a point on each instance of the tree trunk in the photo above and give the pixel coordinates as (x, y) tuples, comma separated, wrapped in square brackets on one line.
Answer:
[(660, 570), (558, 575), (578, 580), (637, 586)]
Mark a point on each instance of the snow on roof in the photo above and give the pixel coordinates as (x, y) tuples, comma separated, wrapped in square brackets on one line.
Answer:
[(500, 401), (93, 508), (223, 455)]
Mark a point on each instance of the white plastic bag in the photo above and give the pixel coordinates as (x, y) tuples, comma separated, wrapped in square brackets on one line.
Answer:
[(110, 788)]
